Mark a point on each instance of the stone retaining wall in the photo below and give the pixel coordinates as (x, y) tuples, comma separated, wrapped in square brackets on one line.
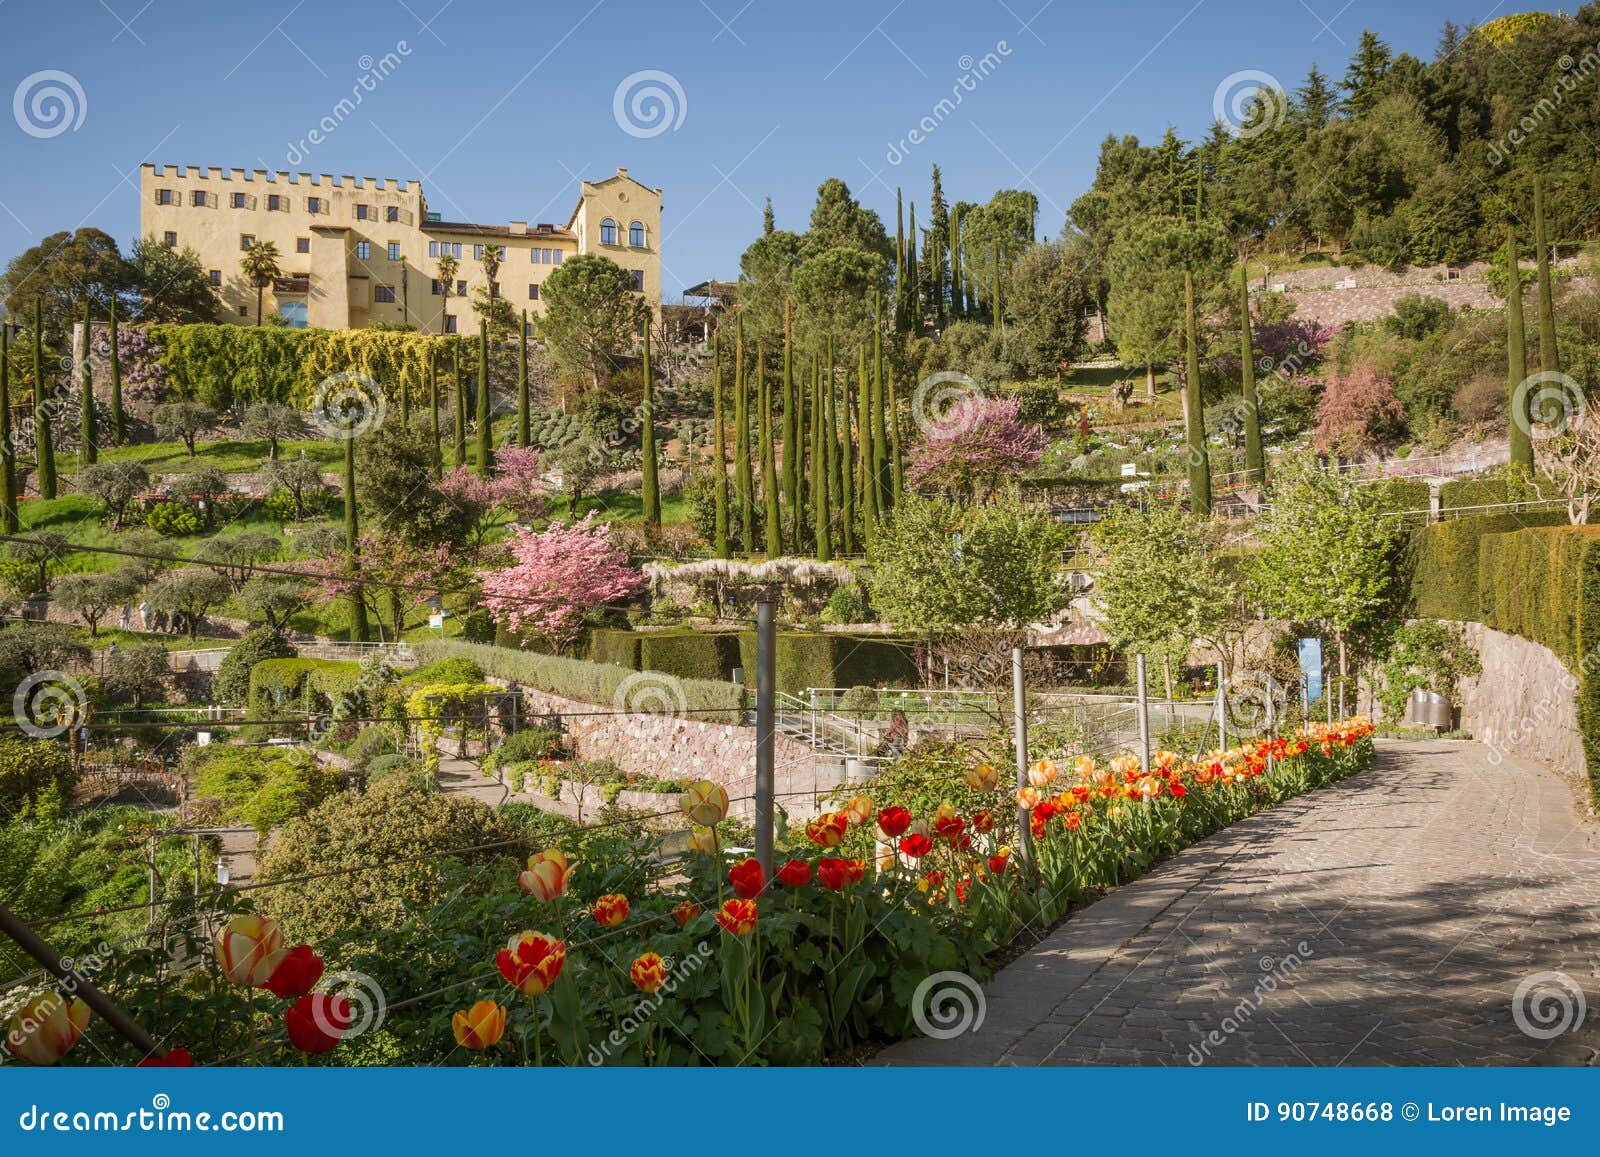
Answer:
[(673, 748), (1523, 704)]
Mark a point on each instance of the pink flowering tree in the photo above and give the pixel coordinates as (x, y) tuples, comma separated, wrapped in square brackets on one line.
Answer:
[(1358, 411), (514, 485), (559, 575), (401, 577), (974, 446)]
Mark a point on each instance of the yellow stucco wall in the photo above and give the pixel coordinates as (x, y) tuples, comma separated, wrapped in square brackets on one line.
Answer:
[(344, 245)]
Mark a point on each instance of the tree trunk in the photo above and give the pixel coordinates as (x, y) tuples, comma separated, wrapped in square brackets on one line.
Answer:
[(1150, 379)]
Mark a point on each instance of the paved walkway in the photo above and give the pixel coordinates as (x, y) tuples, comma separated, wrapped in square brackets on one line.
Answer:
[(1386, 920)]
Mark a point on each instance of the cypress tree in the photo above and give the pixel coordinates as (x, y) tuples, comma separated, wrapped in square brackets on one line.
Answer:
[(938, 242), (1518, 429), (880, 445), (1255, 467), (847, 498), (957, 300), (433, 406), (998, 308), (460, 446), (896, 463), (119, 427), (649, 482), (88, 433), (719, 438), (769, 465), (819, 480), (405, 403), (902, 312), (869, 484), (44, 443), (1194, 425), (912, 290), (1548, 361), (8, 456), (524, 419), (485, 416), (352, 543), (743, 477), (792, 454)]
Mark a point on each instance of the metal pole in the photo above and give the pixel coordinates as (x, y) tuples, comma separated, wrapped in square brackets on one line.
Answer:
[(50, 960), (1222, 708), (1144, 714), (1019, 729), (766, 765)]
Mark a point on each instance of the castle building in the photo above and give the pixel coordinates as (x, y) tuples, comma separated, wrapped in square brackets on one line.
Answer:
[(355, 253)]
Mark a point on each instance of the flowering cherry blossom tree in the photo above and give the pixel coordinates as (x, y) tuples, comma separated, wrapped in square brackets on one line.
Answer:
[(560, 573), (396, 577), (515, 485), (975, 446)]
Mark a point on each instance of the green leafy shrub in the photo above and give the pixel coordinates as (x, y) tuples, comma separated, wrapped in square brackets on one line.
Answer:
[(261, 786), (298, 685), (450, 669), (29, 767), (173, 519), (1425, 654), (529, 743), (847, 604)]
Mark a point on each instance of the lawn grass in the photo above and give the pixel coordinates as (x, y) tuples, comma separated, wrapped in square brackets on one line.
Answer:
[(231, 456)]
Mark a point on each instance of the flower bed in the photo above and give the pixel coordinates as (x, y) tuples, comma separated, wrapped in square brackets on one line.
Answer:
[(612, 957)]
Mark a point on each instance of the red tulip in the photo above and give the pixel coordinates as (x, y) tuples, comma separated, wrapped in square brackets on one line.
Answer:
[(796, 873), (297, 974), (916, 845), (983, 821), (317, 1022), (893, 820), (831, 874), (685, 912), (178, 1058), (531, 961), (997, 864), (747, 878), (738, 917)]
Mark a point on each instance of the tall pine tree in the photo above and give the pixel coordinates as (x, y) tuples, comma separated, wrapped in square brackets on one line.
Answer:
[(88, 431), (485, 414), (769, 467), (44, 441), (719, 441), (649, 481), (1255, 471), (1194, 414), (743, 477), (1518, 430), (1549, 362), (8, 453), (119, 424)]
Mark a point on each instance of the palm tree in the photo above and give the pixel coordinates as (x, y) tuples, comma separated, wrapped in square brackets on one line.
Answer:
[(491, 267), (448, 266), (260, 266)]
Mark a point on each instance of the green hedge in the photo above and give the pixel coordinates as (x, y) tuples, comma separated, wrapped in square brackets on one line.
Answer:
[(803, 660), (1467, 493), (1539, 582), (579, 679), (298, 684), (620, 648), (1444, 561), (691, 654), (1412, 495)]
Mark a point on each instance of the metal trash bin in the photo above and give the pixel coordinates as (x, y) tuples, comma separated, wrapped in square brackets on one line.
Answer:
[(1429, 709)]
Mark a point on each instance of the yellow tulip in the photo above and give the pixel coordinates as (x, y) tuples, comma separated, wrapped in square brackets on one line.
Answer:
[(984, 777), (859, 809), (481, 1026), (547, 874), (705, 803)]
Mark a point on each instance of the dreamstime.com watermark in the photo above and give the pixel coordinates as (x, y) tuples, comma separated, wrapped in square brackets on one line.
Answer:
[(1573, 73), (1249, 103), (648, 103), (1547, 1004), (948, 1004), (373, 73), (648, 1006), (48, 103), (78, 971), (1275, 973), (160, 1117), (973, 73)]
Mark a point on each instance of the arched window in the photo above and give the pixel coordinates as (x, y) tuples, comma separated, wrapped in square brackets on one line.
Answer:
[(636, 235), (608, 232)]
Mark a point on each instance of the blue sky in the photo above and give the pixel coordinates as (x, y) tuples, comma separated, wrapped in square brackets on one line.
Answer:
[(500, 107)]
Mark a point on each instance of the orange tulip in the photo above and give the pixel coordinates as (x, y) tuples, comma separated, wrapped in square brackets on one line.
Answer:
[(858, 810), (984, 777), (481, 1026), (828, 829), (705, 803), (531, 961), (44, 1029), (547, 875), (249, 950), (610, 910), (685, 912), (1043, 773), (1027, 798), (738, 917), (648, 973)]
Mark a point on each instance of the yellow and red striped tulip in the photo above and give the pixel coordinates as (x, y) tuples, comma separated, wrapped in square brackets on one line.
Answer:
[(531, 961), (610, 910), (648, 973), (547, 874), (249, 950), (738, 917), (481, 1026), (859, 810), (44, 1029), (828, 829), (984, 777), (685, 912)]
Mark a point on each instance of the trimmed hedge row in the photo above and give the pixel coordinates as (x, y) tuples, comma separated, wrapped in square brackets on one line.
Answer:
[(299, 684), (803, 660), (1539, 582), (713, 701)]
